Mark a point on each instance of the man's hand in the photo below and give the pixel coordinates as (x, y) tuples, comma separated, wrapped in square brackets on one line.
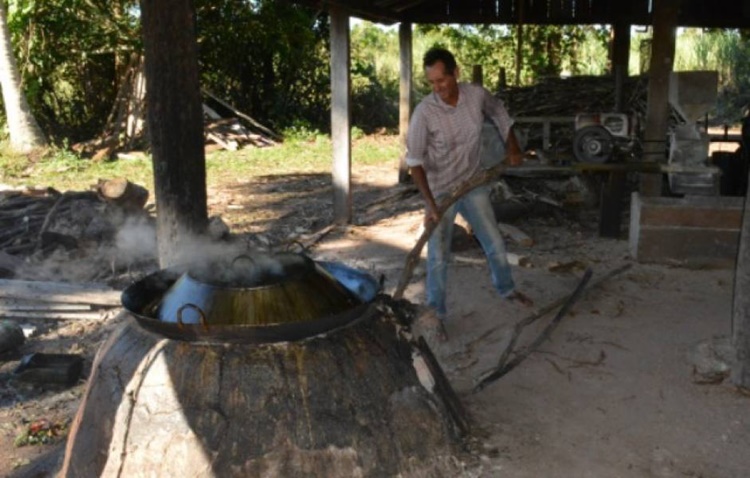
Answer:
[(420, 179), (430, 215)]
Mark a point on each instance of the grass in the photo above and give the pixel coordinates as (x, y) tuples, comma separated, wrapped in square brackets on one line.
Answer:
[(64, 171)]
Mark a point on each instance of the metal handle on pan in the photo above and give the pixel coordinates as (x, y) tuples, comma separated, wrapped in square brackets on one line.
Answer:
[(201, 314)]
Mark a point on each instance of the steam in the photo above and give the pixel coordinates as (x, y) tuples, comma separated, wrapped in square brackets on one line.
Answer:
[(136, 241)]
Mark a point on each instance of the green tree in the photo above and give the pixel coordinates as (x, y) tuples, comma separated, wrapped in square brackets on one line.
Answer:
[(70, 54), (727, 52), (269, 58)]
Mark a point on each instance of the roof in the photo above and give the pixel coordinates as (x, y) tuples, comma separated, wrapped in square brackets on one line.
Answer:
[(692, 13)]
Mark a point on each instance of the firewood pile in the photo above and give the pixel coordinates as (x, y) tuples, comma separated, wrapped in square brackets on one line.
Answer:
[(561, 97), (229, 132), (578, 94), (39, 224)]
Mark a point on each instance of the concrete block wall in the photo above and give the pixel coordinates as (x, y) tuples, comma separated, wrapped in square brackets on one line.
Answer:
[(693, 231)]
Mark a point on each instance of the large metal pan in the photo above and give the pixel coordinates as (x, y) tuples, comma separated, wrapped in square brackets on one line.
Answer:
[(301, 299)]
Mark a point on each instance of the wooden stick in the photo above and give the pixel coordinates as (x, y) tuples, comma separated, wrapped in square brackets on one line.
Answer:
[(412, 258), (504, 367), (548, 308), (567, 301)]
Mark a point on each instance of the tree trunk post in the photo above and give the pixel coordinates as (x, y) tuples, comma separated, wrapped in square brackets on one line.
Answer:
[(477, 75), (175, 124), (657, 110)]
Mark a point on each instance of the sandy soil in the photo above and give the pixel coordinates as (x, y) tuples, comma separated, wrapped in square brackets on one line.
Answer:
[(613, 393)]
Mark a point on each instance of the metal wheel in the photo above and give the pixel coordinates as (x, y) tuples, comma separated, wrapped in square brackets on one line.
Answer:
[(593, 144)]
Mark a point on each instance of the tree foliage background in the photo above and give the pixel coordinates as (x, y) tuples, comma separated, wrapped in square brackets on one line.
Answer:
[(270, 58)]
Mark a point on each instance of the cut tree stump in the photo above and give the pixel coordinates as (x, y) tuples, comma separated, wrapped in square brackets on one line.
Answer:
[(122, 193), (359, 401)]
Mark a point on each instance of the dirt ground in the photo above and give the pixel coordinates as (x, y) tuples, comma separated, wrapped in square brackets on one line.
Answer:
[(617, 390)]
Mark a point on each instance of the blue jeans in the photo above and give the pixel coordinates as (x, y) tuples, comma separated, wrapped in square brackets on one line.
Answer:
[(475, 207)]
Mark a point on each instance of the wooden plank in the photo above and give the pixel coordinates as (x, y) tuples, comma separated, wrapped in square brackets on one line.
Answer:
[(341, 116), (62, 292), (40, 315), (25, 305)]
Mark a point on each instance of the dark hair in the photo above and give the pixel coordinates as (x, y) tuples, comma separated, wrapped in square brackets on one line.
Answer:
[(436, 54)]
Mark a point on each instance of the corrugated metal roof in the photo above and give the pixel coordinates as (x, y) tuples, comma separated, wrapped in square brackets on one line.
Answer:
[(697, 13)]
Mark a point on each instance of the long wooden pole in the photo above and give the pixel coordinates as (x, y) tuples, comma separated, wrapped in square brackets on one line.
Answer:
[(405, 94), (341, 116)]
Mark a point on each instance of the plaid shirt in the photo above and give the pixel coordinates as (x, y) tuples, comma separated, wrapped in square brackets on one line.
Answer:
[(445, 139)]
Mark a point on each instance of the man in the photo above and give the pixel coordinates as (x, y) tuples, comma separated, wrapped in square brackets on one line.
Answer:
[(443, 148)]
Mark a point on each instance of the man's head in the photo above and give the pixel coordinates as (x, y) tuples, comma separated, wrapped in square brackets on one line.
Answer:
[(442, 74)]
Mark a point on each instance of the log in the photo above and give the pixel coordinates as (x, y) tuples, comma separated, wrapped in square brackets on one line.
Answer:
[(63, 292), (122, 193), (343, 404), (515, 234)]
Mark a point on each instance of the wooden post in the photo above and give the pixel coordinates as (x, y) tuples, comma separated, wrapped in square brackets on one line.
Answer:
[(477, 75), (621, 46), (620, 59), (175, 124), (405, 87), (611, 205), (341, 116), (741, 305), (519, 43), (657, 110), (502, 81)]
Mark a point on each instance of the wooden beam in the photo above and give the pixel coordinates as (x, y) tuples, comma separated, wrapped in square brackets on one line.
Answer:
[(620, 58), (620, 45), (519, 43), (341, 116), (477, 75), (405, 94), (657, 110), (59, 292)]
